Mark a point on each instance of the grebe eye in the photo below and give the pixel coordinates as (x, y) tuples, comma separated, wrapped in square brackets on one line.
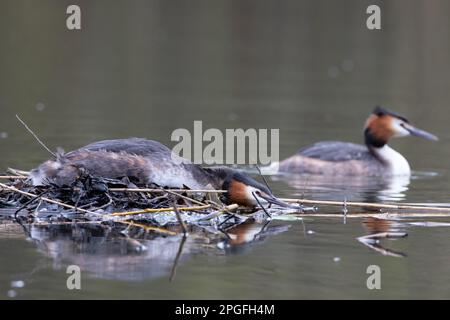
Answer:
[(258, 193)]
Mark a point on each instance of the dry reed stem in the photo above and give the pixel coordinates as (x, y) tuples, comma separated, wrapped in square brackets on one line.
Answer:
[(14, 177), (148, 228), (367, 205), (166, 190), (378, 215), (46, 199), (127, 213)]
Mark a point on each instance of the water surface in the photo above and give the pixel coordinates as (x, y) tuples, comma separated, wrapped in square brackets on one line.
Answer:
[(309, 68)]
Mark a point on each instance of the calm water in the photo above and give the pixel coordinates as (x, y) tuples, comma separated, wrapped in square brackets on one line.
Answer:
[(309, 68)]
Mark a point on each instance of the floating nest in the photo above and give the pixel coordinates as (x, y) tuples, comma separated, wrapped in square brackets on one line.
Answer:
[(103, 200)]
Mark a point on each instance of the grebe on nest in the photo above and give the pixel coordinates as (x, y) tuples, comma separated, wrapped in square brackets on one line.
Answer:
[(376, 158), (150, 162)]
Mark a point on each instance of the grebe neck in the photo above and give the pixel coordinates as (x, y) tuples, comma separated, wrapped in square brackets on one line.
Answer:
[(392, 160)]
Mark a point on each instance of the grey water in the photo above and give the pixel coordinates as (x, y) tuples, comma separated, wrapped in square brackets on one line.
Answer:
[(308, 68)]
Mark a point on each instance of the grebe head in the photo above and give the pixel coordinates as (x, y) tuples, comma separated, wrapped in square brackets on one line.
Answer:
[(246, 191), (383, 124)]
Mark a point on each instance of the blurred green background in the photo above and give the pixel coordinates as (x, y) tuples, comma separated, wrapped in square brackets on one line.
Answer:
[(310, 68), (145, 68)]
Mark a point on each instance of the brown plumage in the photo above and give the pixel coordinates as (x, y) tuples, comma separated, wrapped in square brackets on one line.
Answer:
[(149, 162), (380, 126), (238, 193)]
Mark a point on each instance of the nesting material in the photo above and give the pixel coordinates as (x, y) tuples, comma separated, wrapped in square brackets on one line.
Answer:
[(121, 201)]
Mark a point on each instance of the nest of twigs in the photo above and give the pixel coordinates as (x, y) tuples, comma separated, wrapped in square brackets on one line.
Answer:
[(92, 198)]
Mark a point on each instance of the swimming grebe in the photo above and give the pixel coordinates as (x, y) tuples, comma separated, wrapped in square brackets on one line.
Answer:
[(150, 162), (376, 158)]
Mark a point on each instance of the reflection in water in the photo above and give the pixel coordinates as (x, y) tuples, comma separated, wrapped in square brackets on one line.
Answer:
[(357, 188), (106, 252), (379, 229), (375, 225), (241, 237), (130, 253)]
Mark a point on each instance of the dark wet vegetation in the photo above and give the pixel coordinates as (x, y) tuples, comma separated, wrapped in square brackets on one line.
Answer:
[(92, 198)]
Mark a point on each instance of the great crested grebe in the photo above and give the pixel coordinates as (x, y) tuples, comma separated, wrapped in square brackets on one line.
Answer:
[(376, 158), (150, 162)]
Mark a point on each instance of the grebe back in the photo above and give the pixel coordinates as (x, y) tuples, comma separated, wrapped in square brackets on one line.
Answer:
[(149, 162)]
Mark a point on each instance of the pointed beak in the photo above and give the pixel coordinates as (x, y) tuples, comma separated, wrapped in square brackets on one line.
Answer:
[(274, 200), (420, 133)]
